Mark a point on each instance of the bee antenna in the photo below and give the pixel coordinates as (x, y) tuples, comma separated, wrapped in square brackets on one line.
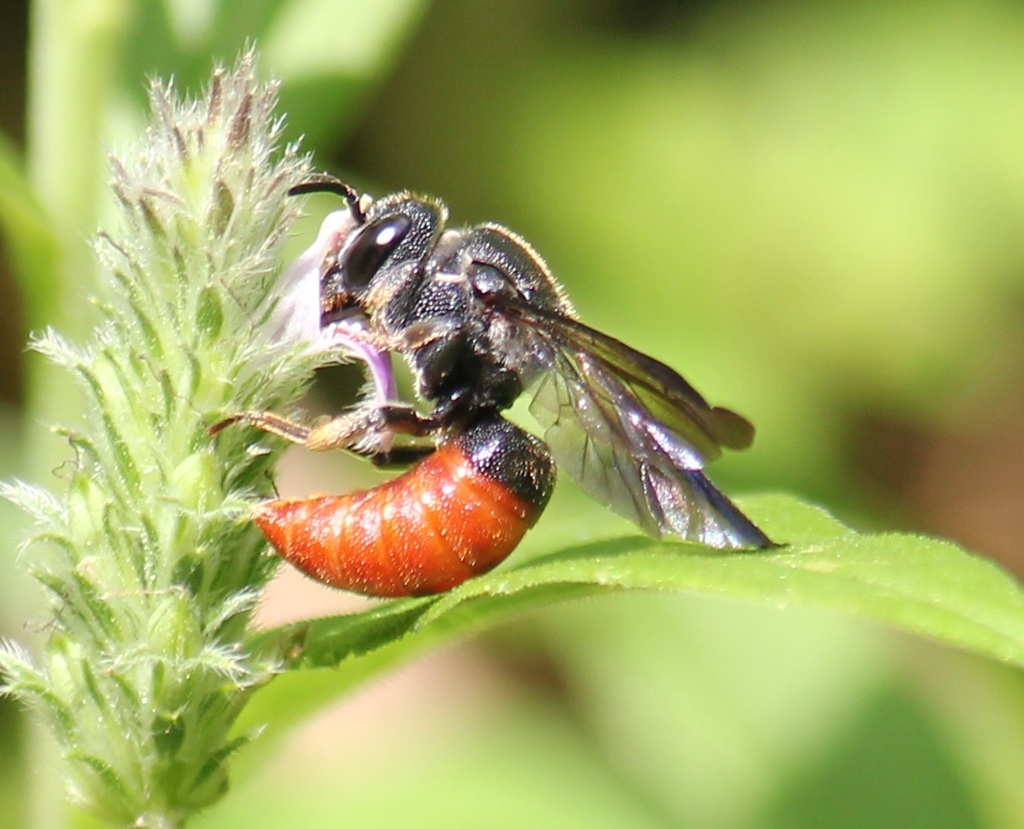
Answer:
[(326, 183)]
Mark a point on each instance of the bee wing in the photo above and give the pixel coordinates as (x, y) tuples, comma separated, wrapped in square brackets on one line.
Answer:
[(632, 432)]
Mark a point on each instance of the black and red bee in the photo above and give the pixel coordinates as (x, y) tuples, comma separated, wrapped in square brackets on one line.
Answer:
[(480, 321)]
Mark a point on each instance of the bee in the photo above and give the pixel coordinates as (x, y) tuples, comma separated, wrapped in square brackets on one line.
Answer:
[(480, 321)]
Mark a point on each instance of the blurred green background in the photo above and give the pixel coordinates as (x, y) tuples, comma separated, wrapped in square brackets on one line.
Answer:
[(813, 211)]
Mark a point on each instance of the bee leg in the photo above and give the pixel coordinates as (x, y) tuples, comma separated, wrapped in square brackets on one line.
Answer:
[(388, 421), (371, 430), (405, 420), (368, 431), (267, 422)]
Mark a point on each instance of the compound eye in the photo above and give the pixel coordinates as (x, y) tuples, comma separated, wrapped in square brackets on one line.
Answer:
[(369, 250)]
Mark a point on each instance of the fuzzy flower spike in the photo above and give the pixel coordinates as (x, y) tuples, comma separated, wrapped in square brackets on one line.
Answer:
[(145, 550)]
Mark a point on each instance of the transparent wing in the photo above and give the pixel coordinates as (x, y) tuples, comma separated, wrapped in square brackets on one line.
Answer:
[(632, 432)]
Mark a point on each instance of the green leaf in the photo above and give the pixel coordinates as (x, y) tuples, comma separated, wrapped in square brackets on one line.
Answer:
[(923, 585)]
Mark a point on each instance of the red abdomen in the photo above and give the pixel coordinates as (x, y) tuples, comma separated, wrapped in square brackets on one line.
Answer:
[(455, 514)]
